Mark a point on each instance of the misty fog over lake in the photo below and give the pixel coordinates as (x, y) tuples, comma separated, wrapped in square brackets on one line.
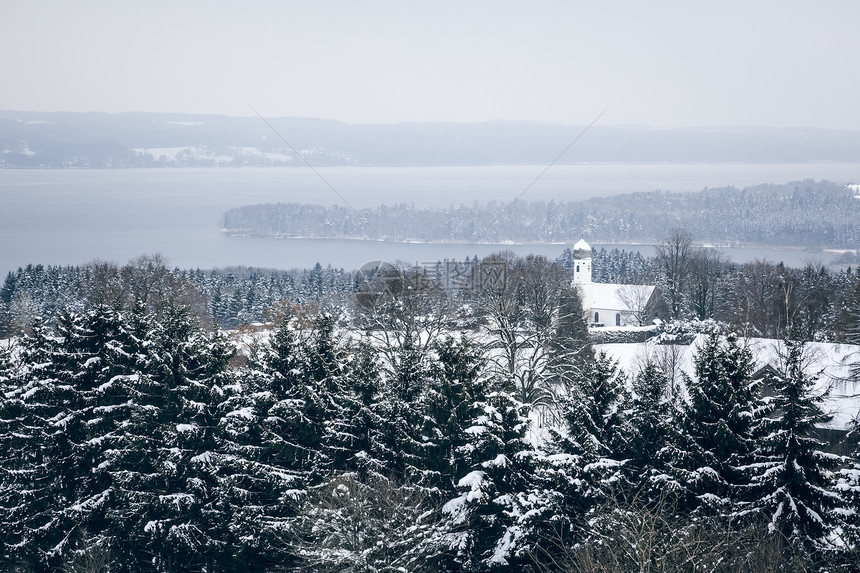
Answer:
[(72, 216)]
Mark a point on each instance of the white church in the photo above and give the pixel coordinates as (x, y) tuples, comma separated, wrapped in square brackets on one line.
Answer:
[(607, 304)]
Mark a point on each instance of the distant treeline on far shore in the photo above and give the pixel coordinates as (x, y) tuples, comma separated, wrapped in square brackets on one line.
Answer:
[(800, 214)]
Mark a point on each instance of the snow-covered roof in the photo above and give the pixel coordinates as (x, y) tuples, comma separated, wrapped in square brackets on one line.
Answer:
[(581, 249), (612, 296), (581, 245)]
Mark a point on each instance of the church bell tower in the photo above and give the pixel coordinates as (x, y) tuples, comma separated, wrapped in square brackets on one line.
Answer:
[(581, 263)]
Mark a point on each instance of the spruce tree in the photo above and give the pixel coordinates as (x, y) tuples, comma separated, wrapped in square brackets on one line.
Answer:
[(68, 402), (797, 496), (296, 417), (382, 442), (485, 526), (458, 382), (721, 421), (260, 497), (571, 350), (848, 485), (25, 407), (652, 439), (583, 463), (592, 411), (365, 388), (165, 469), (405, 442), (285, 432), (327, 371)]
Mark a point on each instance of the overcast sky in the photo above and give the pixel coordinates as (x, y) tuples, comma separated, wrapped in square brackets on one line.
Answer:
[(659, 63)]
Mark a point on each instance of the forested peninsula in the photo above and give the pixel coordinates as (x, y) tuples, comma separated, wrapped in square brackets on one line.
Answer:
[(810, 213)]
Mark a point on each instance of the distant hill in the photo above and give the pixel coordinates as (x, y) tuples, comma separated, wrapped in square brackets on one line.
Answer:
[(801, 214), (61, 139)]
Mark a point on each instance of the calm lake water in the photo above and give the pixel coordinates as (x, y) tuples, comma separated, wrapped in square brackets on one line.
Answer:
[(73, 216)]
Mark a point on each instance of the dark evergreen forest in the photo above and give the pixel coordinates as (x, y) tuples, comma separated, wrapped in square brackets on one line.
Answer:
[(382, 422)]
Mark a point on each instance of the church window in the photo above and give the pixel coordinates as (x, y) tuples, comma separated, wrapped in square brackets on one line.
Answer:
[(617, 319), (596, 317)]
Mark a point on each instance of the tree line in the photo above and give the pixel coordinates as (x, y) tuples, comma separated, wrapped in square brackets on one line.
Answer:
[(229, 297), (802, 214), (759, 298), (398, 435)]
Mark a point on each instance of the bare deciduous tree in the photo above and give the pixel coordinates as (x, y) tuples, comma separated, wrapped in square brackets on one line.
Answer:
[(640, 302), (674, 256), (637, 533), (404, 310), (669, 358), (706, 291), (94, 556), (22, 312), (765, 299), (146, 280), (530, 319)]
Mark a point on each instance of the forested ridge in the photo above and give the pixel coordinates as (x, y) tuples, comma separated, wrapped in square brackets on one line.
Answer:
[(400, 426), (802, 214), (33, 139)]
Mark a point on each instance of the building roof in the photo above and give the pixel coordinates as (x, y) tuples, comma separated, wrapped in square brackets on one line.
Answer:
[(582, 246), (581, 249), (612, 296)]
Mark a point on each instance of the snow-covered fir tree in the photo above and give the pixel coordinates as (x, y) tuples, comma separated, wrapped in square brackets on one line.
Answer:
[(720, 424), (653, 438), (484, 524), (796, 493), (66, 395), (167, 470), (31, 401), (580, 463), (592, 409)]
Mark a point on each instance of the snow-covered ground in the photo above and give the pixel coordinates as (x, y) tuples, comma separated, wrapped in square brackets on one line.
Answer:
[(832, 361), (175, 154), (228, 155)]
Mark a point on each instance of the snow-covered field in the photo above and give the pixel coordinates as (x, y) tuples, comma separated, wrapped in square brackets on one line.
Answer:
[(227, 155), (174, 154), (831, 361)]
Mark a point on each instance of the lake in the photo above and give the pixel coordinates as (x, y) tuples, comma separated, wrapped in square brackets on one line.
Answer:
[(71, 216)]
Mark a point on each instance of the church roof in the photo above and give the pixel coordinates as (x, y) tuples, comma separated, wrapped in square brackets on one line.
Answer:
[(581, 247), (612, 296)]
